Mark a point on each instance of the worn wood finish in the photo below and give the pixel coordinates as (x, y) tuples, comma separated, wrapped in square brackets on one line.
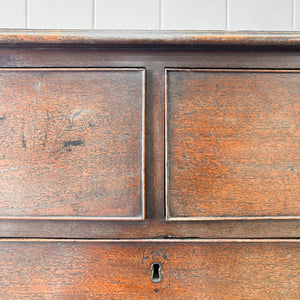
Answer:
[(154, 144), (233, 143), (212, 269), (82, 155), (13, 37), (150, 229), (72, 143), (177, 57), (154, 59)]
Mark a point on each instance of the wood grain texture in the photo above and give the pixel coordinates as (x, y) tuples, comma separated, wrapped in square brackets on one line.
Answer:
[(72, 143), (154, 156), (13, 37), (207, 57), (82, 155), (233, 143), (150, 229), (154, 59), (121, 270)]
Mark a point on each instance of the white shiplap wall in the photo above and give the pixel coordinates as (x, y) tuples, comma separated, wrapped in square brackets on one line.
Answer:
[(151, 14)]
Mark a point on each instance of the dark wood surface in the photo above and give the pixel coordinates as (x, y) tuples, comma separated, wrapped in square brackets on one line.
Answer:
[(82, 155), (154, 60), (15, 37), (212, 269), (233, 143), (151, 229), (72, 143)]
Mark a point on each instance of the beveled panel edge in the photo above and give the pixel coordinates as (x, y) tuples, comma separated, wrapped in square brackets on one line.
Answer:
[(183, 241), (149, 229), (68, 69), (168, 218), (75, 218), (22, 37), (212, 218), (142, 215)]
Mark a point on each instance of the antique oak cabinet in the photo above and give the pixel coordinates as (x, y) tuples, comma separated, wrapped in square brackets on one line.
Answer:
[(149, 165)]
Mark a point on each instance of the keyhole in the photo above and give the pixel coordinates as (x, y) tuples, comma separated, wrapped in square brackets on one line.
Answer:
[(156, 272)]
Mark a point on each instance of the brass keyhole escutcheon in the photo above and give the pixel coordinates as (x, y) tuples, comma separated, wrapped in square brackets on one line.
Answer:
[(155, 272)]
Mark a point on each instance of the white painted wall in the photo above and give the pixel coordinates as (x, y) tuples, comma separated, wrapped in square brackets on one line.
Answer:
[(151, 14)]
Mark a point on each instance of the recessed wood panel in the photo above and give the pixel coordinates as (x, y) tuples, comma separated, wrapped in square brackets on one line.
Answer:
[(72, 143), (232, 146), (212, 269)]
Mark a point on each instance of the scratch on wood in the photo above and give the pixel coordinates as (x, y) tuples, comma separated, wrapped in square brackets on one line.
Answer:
[(9, 169), (37, 92), (23, 140), (36, 102)]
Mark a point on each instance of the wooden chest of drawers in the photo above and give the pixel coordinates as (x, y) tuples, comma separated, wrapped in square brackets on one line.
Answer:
[(144, 165)]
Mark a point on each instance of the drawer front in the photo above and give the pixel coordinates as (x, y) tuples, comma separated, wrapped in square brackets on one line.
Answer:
[(122, 270), (72, 143), (232, 146)]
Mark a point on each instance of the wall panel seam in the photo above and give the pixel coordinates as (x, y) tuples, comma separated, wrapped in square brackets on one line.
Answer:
[(159, 15), (26, 14), (227, 14), (294, 15), (94, 14)]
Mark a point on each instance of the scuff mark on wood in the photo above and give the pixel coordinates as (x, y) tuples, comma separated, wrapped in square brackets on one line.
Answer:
[(23, 140), (76, 114), (73, 143), (9, 169)]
